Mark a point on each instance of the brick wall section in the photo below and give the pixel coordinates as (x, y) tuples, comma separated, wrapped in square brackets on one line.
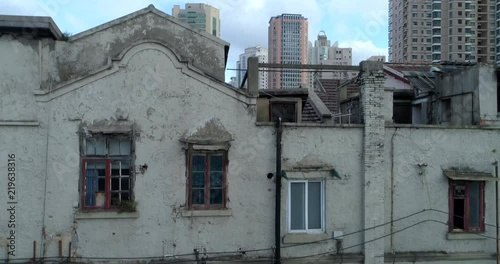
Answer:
[(372, 98)]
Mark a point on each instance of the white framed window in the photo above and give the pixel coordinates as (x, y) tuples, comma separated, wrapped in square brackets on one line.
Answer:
[(306, 206)]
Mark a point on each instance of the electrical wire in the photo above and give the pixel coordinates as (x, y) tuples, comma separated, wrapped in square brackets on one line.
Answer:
[(230, 254), (368, 241), (221, 252), (447, 213), (392, 233)]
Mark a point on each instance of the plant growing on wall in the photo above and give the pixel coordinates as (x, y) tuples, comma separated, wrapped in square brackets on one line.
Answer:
[(124, 206), (66, 35)]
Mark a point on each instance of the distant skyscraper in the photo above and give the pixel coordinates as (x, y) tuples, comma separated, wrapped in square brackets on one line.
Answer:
[(323, 53), (320, 50), (256, 51), (199, 16), (377, 58), (288, 44), (233, 82), (425, 31)]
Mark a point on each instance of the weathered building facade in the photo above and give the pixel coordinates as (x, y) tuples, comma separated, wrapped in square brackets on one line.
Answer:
[(124, 144)]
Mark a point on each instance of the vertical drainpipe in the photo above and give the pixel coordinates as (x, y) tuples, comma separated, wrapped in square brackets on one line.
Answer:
[(392, 190), (496, 199), (277, 220)]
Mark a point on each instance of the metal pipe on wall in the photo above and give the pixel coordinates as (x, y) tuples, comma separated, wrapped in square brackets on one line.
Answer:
[(392, 189), (497, 210), (69, 252), (34, 251), (277, 220)]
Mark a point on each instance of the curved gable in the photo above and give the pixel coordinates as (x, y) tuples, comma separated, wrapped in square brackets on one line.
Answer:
[(121, 61)]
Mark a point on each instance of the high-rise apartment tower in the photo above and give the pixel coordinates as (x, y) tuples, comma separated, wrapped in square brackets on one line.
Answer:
[(425, 31), (288, 44), (200, 17), (259, 52)]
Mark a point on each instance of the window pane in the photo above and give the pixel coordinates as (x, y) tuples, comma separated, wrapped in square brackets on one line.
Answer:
[(119, 146), (297, 206), (114, 147), (474, 204), (198, 179), (215, 179), (216, 163), (90, 147), (115, 184), (101, 169), (198, 163), (115, 168), (125, 168), (125, 196), (215, 196), (100, 147), (198, 196), (101, 184), (125, 146), (458, 205), (125, 184), (95, 146), (90, 185), (120, 168), (314, 205)]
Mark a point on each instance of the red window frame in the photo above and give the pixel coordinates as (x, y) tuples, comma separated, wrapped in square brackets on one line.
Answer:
[(108, 160), (207, 205), (452, 210), (107, 183)]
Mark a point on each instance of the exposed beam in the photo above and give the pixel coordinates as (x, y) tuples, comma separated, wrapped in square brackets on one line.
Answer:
[(19, 123), (310, 66)]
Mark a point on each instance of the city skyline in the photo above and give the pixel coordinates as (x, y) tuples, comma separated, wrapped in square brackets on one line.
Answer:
[(358, 24)]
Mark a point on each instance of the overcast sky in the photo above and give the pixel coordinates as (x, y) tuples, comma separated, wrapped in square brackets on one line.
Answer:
[(360, 24)]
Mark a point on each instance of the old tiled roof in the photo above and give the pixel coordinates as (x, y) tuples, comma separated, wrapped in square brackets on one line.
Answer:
[(328, 92), (309, 114), (424, 82)]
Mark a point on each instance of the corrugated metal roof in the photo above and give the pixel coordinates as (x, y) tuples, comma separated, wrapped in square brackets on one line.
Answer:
[(424, 82)]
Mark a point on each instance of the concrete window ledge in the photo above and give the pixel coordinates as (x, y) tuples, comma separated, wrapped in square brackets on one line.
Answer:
[(206, 213), (106, 215), (463, 236), (303, 238)]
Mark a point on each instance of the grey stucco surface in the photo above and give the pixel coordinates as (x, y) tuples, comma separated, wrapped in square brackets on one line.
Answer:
[(419, 188), (473, 94), (19, 79)]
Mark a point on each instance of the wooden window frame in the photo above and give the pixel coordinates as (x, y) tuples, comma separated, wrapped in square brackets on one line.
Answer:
[(207, 205), (467, 228), (108, 160)]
